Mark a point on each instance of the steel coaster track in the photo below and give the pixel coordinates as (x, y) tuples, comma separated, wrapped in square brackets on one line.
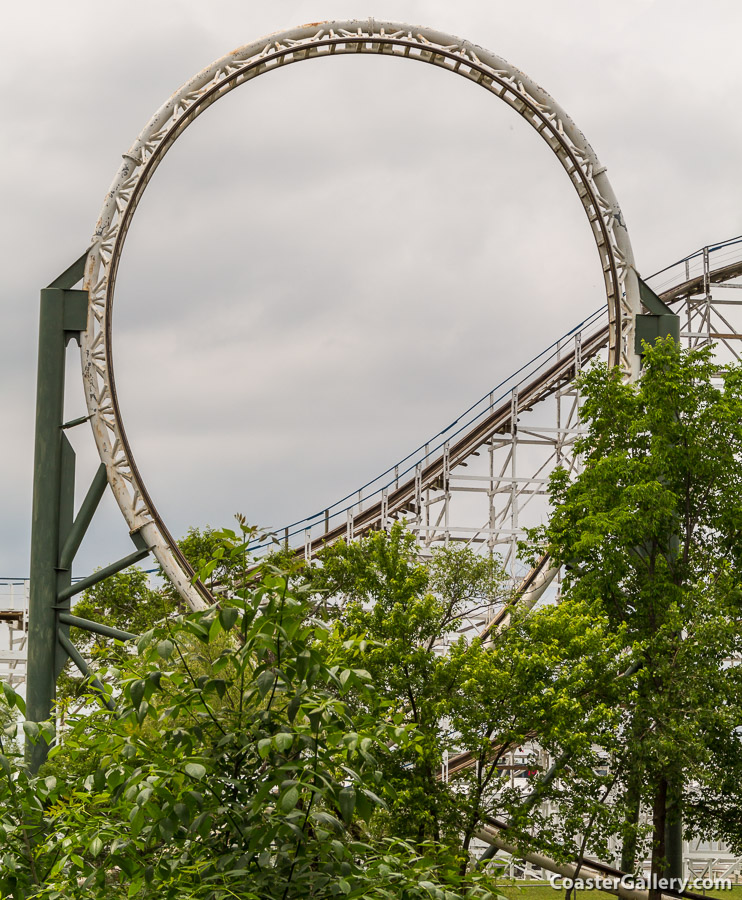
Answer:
[(689, 286), (314, 41), (551, 376), (429, 457)]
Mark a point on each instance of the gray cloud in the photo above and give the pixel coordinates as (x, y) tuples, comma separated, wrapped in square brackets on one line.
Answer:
[(337, 259)]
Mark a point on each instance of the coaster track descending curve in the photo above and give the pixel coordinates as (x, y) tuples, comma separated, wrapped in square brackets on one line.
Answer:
[(400, 491), (315, 41)]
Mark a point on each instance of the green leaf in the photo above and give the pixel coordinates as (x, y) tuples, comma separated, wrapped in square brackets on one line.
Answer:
[(136, 692), (293, 707), (289, 800), (216, 684), (365, 808), (283, 741), (195, 770), (228, 617), (136, 819), (326, 819), (215, 629), (374, 798), (31, 730), (165, 649), (181, 811), (144, 641), (167, 828), (13, 698), (302, 663), (95, 847), (265, 681), (347, 803)]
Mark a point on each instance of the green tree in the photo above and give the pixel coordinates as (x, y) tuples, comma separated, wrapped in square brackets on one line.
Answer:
[(381, 587), (650, 534), (126, 601), (129, 601), (241, 773), (538, 679)]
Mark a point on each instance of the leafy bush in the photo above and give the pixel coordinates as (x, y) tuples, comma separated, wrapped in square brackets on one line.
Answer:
[(230, 767)]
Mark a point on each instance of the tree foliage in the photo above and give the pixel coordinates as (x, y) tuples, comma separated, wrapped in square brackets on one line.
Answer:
[(231, 767), (291, 742), (547, 676), (650, 534)]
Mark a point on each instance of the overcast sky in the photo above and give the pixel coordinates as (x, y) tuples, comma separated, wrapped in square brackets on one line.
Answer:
[(339, 257)]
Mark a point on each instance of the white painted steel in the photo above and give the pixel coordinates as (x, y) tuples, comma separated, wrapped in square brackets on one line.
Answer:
[(493, 836), (13, 631), (306, 42)]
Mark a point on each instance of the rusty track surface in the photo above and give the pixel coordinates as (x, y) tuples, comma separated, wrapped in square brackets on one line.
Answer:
[(696, 285), (498, 421), (402, 498)]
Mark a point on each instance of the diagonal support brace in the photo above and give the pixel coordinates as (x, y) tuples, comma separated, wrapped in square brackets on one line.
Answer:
[(118, 566), (96, 627), (83, 518), (74, 654)]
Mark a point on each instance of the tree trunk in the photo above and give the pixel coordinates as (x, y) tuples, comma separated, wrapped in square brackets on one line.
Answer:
[(659, 821), (632, 802), (674, 830)]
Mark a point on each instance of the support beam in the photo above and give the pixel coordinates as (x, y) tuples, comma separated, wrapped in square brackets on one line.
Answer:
[(69, 278), (674, 849), (84, 583), (537, 792), (488, 854), (96, 627), (674, 829), (494, 837), (661, 321), (45, 533), (66, 517), (75, 656), (62, 316), (83, 518)]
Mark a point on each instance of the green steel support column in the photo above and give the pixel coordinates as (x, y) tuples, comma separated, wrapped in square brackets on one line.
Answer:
[(661, 322), (45, 531), (66, 517), (62, 317)]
